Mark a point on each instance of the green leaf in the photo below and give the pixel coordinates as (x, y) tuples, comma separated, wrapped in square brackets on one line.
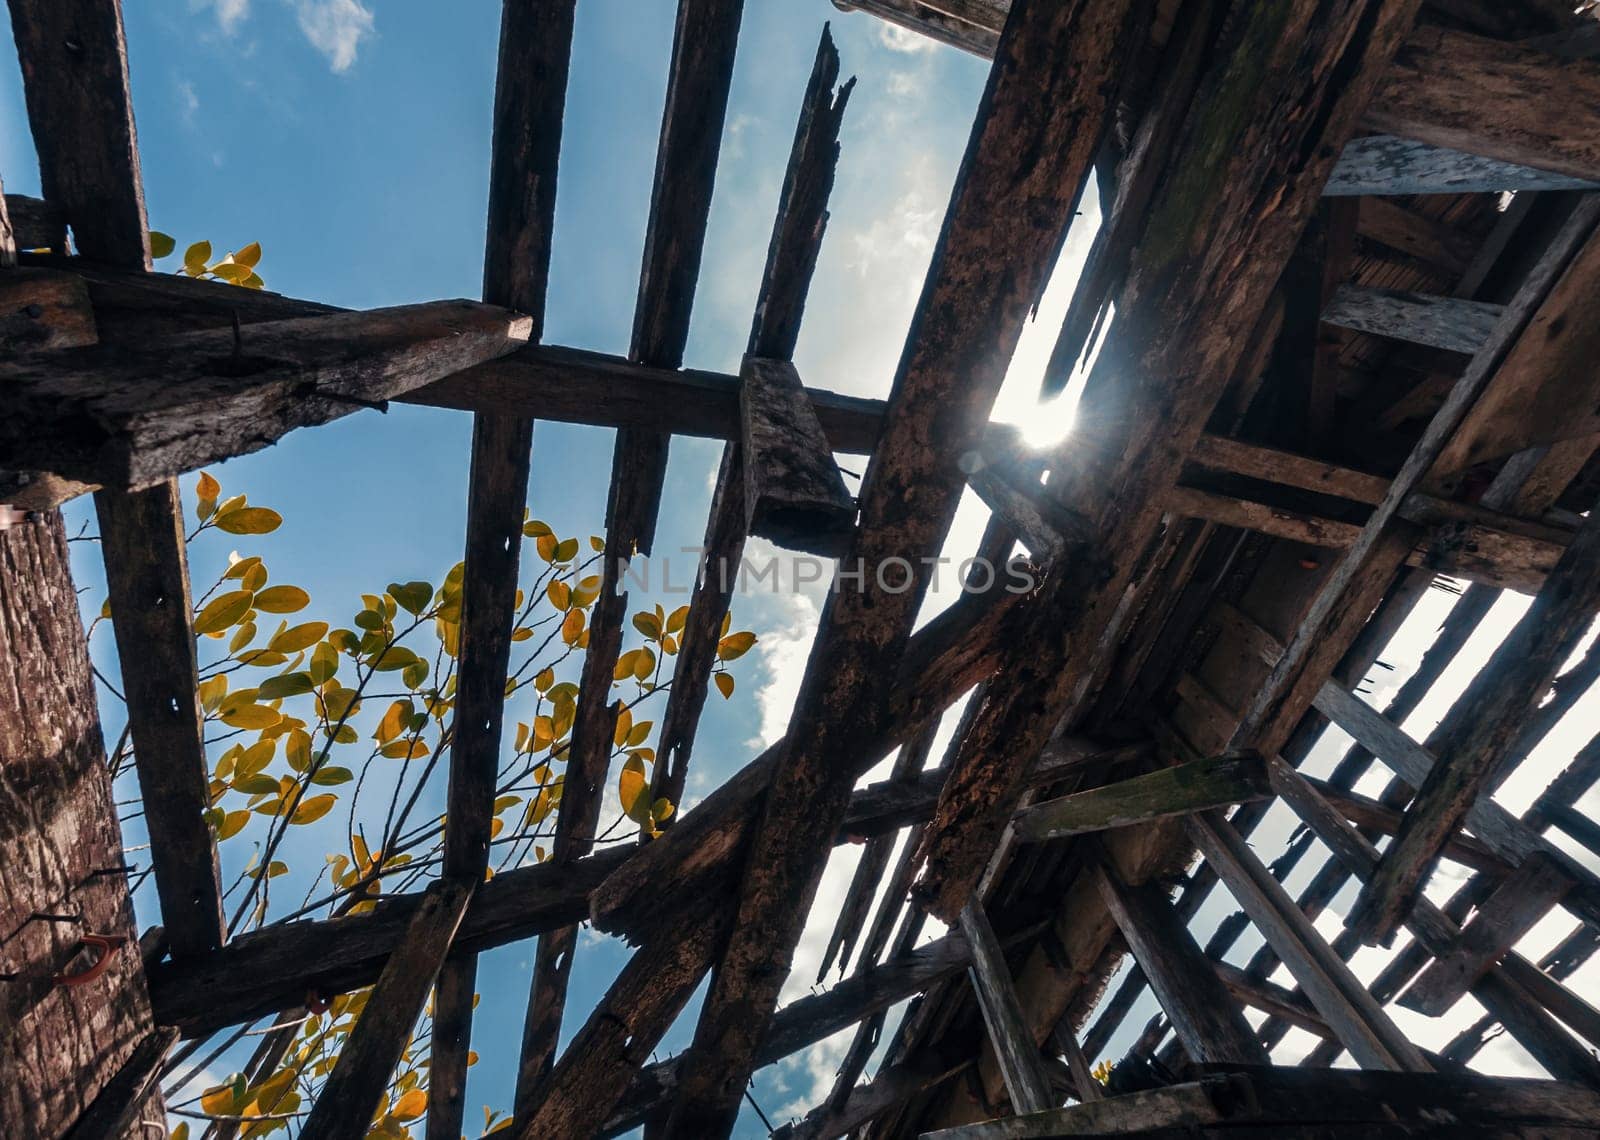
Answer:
[(285, 685), (284, 600), (333, 774), (161, 244), (414, 596), (296, 638), (647, 624)]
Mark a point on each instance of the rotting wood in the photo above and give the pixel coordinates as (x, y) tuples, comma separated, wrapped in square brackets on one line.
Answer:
[(1419, 318), (348, 1099), (75, 81), (1031, 149), (1483, 724), (35, 223), (43, 309), (1020, 1062), (1415, 234), (793, 492), (129, 418), (1214, 782), (1347, 1007), (1521, 900), (133, 1094), (1187, 309), (1386, 165), (1203, 1013), (1451, 88), (147, 579)]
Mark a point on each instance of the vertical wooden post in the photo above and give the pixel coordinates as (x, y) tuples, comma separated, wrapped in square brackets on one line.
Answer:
[(1014, 1046)]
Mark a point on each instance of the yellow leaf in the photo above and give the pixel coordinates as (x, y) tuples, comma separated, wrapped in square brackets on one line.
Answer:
[(252, 716), (287, 600), (232, 824), (207, 487), (212, 691), (662, 810), (313, 809), (197, 255), (546, 545), (572, 627), (645, 665), (559, 593), (640, 733), (724, 683), (160, 246), (544, 680), (394, 722), (217, 1101), (624, 726), (222, 611), (243, 636), (250, 520), (633, 789), (298, 637), (735, 645), (625, 665), (647, 624), (249, 255), (410, 1106), (677, 618)]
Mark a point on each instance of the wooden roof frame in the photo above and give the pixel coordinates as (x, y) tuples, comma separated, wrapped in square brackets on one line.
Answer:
[(1251, 156)]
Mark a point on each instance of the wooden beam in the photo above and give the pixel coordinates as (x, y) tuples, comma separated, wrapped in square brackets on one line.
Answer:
[(75, 80), (1386, 165), (1031, 149), (133, 415), (1346, 593), (889, 1088), (1274, 1000), (1197, 786), (349, 1097), (1205, 209), (1546, 391), (1339, 996), (35, 223), (1203, 1013), (937, 23), (534, 60), (1483, 724), (793, 492), (1454, 89), (147, 579), (1014, 1047), (1519, 902), (1418, 318), (44, 309), (1438, 245)]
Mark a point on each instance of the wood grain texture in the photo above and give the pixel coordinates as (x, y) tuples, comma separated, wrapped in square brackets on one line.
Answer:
[(43, 309), (147, 579), (130, 416), (793, 492), (75, 80), (348, 1099), (1439, 322), (1020, 1062), (1454, 89), (1386, 165), (59, 1047), (35, 223), (1197, 786)]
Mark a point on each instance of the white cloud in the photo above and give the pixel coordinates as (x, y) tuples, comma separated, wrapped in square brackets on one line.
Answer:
[(335, 28), (188, 101), (896, 38), (230, 13)]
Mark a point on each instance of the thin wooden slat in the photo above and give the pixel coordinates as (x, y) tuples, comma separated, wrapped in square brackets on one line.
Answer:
[(534, 59), (705, 39), (1203, 1013), (1344, 1003), (1273, 465), (75, 80), (1014, 1047), (1521, 900), (793, 492), (1031, 150), (1386, 165), (1197, 786), (1483, 724), (1485, 96), (349, 1098), (147, 579), (1346, 592), (133, 415), (1418, 318)]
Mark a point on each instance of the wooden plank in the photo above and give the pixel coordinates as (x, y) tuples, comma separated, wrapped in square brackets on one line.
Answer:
[(1449, 323), (75, 80), (1504, 992), (59, 1045), (1347, 593), (1014, 1047), (1546, 391), (1386, 165), (1483, 724), (1438, 245), (133, 415), (1031, 149), (793, 492), (1275, 466), (44, 309), (1249, 106), (147, 579), (1203, 1013), (937, 23), (1344, 1003), (1273, 999), (1280, 522), (349, 1097), (1199, 785), (1454, 89), (35, 223), (1511, 911)]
